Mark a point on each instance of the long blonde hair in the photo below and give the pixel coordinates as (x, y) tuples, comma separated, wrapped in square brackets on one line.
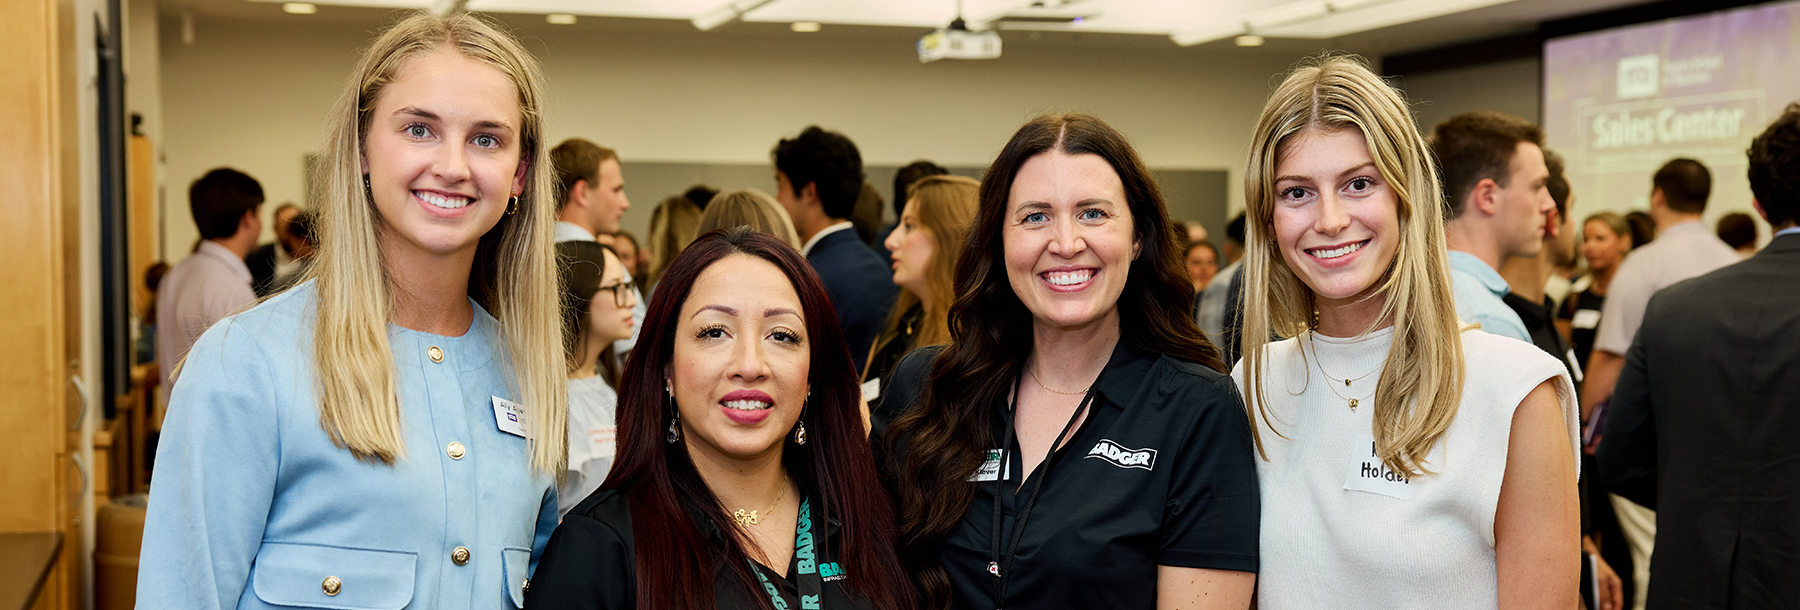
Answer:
[(946, 207), (1421, 382), (748, 208), (514, 275), (673, 225)]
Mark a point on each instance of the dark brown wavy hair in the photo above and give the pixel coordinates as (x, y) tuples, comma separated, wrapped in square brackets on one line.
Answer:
[(676, 565), (938, 444)]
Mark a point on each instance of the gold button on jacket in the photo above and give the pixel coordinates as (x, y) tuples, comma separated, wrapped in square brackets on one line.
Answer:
[(331, 585), (460, 556), (437, 355), (456, 450)]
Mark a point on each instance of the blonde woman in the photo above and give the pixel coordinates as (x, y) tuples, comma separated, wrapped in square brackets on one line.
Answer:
[(748, 208), (386, 434), (923, 249), (1407, 461), (673, 225)]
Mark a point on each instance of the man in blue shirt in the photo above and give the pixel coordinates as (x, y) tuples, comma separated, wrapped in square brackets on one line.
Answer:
[(818, 175), (1497, 204)]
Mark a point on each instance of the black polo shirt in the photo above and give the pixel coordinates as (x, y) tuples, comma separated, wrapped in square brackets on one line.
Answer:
[(1162, 472), (589, 563)]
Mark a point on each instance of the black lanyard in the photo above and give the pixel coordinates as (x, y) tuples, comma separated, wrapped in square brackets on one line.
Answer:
[(995, 567), (809, 555)]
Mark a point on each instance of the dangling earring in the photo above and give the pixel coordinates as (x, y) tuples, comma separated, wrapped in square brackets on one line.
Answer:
[(800, 430), (368, 191), (674, 435), (512, 205)]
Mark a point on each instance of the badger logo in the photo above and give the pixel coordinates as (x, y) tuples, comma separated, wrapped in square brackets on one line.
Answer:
[(1123, 457)]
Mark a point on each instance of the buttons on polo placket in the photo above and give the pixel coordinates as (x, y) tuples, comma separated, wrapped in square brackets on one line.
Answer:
[(437, 355)]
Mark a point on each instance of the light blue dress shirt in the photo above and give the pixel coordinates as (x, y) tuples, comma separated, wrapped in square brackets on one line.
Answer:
[(1480, 291), (253, 506)]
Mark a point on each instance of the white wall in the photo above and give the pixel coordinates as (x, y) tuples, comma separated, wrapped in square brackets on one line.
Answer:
[(253, 94)]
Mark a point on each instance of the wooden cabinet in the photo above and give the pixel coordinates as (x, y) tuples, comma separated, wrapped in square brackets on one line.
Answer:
[(42, 475)]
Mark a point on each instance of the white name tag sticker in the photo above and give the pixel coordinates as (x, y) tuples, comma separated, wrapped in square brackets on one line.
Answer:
[(509, 416), (991, 468), (1585, 318), (1367, 473), (871, 389)]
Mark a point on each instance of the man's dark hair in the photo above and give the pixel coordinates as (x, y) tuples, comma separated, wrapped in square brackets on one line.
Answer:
[(1685, 185), (1558, 184), (1234, 230), (904, 179), (1775, 168), (1474, 146), (701, 195), (1737, 230), (1643, 228), (827, 160), (576, 160), (219, 200)]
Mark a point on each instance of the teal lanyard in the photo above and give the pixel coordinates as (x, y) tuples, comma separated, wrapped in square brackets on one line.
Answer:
[(806, 565)]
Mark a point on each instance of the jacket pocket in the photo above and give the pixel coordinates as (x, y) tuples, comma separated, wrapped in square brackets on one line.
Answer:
[(515, 562), (343, 578)]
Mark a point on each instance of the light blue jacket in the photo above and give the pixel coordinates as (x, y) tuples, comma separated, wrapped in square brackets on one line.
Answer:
[(253, 506)]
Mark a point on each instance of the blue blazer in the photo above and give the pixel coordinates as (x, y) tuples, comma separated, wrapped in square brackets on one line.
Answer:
[(861, 286), (253, 506)]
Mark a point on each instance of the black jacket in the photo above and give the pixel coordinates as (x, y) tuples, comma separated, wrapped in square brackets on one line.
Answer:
[(861, 287), (1702, 427)]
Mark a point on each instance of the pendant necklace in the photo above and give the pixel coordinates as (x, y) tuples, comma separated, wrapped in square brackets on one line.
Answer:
[(1318, 362), (748, 518)]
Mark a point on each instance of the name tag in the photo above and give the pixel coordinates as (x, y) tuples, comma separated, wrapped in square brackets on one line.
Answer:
[(509, 416), (1367, 473), (1585, 318), (991, 468), (871, 389)]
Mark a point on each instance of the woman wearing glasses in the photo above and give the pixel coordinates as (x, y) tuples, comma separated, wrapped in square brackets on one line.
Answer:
[(597, 310)]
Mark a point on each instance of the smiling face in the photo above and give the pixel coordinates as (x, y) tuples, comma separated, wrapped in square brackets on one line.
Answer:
[(1069, 239), (608, 321), (911, 248), (1336, 219), (741, 360), (442, 153)]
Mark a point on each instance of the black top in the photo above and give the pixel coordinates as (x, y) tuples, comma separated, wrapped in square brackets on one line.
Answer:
[(890, 347), (589, 563), (861, 286), (1540, 322), (261, 263), (1160, 473), (1583, 314)]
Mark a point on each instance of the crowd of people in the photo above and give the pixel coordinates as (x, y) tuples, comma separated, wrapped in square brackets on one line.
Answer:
[(1037, 389)]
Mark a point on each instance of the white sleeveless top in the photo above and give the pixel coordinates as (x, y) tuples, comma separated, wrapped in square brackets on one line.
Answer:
[(1339, 530)]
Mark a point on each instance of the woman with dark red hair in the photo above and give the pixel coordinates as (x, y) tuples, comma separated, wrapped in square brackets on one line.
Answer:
[(743, 477)]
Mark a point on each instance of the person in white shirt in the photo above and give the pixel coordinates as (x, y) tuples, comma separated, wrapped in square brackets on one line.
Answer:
[(213, 282), (598, 297), (1683, 249), (1406, 460), (591, 202)]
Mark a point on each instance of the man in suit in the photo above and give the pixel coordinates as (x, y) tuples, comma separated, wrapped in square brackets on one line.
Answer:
[(1707, 406), (818, 176), (277, 258)]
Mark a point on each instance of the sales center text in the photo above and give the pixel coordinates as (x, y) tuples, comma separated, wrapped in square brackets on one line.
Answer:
[(1665, 126)]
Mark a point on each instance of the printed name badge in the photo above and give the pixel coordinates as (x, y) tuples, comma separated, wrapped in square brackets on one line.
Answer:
[(1367, 473), (509, 416), (871, 389), (1585, 318), (991, 468)]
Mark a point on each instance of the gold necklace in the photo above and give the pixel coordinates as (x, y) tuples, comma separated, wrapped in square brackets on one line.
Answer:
[(1052, 390), (1320, 364), (748, 518)]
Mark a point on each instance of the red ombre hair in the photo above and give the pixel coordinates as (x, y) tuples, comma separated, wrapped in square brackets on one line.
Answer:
[(675, 563)]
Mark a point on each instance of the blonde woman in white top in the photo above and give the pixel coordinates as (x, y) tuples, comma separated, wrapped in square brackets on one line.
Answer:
[(1408, 461)]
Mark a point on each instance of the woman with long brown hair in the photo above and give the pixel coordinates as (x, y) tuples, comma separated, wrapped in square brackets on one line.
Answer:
[(923, 248), (743, 477), (1076, 444)]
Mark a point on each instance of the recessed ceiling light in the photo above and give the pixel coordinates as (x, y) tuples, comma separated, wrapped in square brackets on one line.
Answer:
[(805, 26), (560, 19), (299, 8), (1249, 40)]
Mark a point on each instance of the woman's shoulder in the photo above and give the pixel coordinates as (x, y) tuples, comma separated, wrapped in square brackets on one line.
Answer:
[(609, 507), (1502, 370)]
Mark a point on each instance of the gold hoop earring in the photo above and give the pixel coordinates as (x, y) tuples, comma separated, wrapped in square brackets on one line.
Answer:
[(512, 205)]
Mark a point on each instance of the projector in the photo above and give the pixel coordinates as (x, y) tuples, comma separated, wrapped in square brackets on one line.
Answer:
[(957, 42)]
